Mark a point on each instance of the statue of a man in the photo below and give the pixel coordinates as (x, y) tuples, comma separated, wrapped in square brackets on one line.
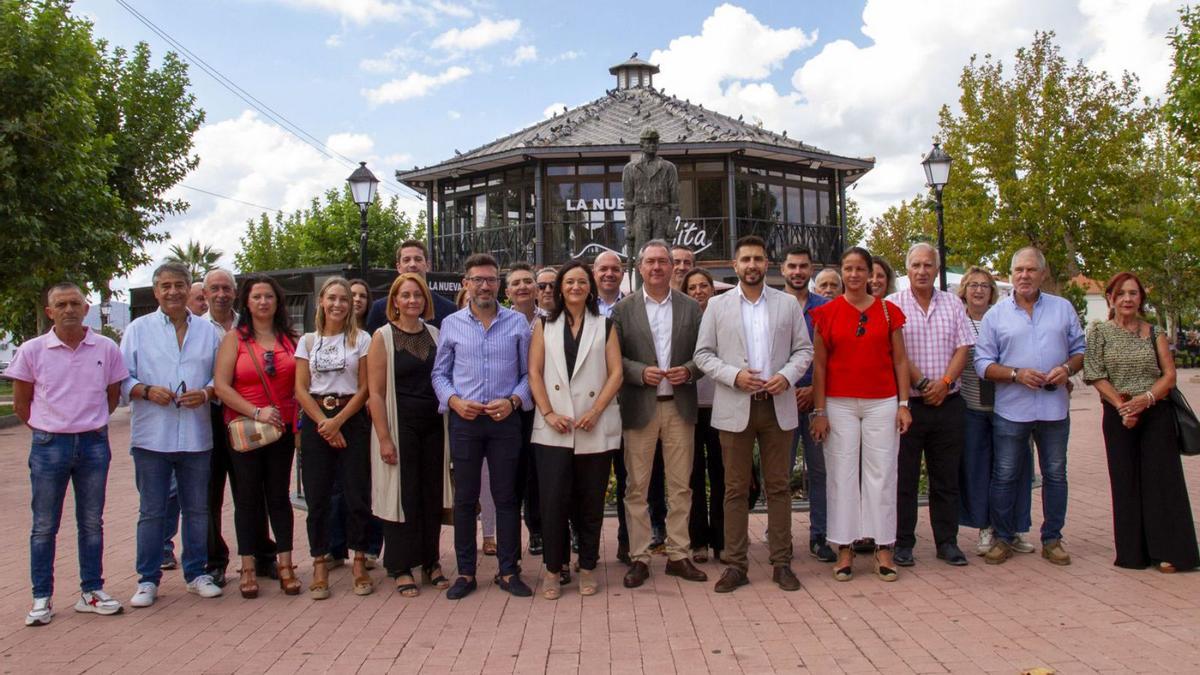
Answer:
[(651, 186)]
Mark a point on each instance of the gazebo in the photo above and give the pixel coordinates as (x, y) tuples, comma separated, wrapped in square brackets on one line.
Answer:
[(552, 192)]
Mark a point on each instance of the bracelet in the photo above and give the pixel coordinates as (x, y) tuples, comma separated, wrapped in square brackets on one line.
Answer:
[(256, 413), (206, 398), (902, 404), (947, 381), (1150, 395), (512, 403), (922, 383)]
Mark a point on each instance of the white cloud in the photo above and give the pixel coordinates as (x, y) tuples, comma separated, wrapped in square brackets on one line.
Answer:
[(379, 66), (553, 109), (362, 12), (523, 54), (334, 41), (569, 55), (882, 99), (453, 114), (414, 85), (483, 34)]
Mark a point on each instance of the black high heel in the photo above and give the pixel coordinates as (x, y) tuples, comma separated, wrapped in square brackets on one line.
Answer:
[(844, 573)]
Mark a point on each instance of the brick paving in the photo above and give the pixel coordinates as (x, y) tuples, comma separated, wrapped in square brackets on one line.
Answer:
[(1024, 614)]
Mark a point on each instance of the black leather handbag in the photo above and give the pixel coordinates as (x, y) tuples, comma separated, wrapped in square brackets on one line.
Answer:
[(1187, 427)]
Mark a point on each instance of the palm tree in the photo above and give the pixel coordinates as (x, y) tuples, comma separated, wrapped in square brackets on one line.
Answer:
[(199, 259)]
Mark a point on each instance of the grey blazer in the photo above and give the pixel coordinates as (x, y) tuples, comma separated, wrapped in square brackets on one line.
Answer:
[(721, 353), (637, 353)]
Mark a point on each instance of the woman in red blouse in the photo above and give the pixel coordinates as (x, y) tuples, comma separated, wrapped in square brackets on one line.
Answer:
[(860, 398), (261, 477)]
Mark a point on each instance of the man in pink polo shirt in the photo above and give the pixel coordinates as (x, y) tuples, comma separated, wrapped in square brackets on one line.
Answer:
[(65, 385)]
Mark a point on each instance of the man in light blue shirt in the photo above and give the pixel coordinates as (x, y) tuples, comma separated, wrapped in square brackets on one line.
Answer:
[(1029, 344), (170, 355)]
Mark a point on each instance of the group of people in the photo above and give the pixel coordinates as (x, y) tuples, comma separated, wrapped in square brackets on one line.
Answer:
[(411, 410)]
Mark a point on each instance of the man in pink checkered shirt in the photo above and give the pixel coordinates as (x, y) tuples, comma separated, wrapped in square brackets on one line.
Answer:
[(938, 338)]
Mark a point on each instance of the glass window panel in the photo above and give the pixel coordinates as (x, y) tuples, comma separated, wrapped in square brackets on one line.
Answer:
[(512, 206), (512, 176), (710, 198), (823, 214), (793, 205), (710, 166), (687, 199), (480, 211), (760, 201), (591, 191), (809, 179), (793, 176), (590, 169), (810, 207), (742, 197), (684, 166), (616, 192), (560, 170), (775, 203), (777, 174), (495, 179)]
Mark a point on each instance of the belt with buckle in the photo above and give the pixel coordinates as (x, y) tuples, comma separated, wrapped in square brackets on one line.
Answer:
[(760, 396), (332, 401)]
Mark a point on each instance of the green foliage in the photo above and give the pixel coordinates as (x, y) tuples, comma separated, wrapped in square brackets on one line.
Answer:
[(899, 228), (326, 233), (856, 229), (1078, 296), (1183, 91), (111, 333), (198, 258), (90, 140), (1041, 157)]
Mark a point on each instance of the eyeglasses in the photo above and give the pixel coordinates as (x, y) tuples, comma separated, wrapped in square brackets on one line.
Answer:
[(179, 391), (484, 281), (269, 363), (978, 286), (545, 285), (862, 325)]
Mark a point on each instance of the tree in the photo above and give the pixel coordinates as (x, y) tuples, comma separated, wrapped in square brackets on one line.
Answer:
[(892, 233), (326, 233), (856, 229), (1041, 158), (1183, 91), (90, 141), (198, 258)]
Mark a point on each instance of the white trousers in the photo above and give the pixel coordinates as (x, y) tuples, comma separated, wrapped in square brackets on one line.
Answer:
[(860, 469)]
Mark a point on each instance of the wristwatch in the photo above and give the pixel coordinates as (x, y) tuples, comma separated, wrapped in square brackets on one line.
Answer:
[(1014, 374), (145, 392)]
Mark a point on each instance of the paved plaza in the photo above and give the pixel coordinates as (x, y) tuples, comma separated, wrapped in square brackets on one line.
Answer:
[(1024, 614)]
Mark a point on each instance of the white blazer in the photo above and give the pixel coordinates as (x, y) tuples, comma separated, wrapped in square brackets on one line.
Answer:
[(721, 353), (573, 397)]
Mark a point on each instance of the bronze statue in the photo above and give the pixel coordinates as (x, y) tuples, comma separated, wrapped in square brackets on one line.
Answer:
[(651, 186)]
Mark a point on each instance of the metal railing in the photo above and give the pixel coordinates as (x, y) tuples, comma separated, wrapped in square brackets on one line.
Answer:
[(507, 244)]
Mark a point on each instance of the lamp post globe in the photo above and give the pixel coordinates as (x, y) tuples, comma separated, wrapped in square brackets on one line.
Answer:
[(362, 188), (937, 173)]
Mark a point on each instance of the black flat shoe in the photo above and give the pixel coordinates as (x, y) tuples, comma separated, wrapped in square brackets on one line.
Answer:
[(822, 551), (903, 556), (514, 586), (951, 554), (461, 588)]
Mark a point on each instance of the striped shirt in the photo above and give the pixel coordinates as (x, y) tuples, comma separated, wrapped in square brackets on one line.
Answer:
[(931, 337), (970, 379), (479, 364)]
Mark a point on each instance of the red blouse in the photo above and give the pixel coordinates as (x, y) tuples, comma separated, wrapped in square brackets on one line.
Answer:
[(858, 366), (283, 384)]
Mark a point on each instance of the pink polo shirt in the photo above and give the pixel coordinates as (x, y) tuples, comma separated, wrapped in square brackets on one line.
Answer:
[(69, 386)]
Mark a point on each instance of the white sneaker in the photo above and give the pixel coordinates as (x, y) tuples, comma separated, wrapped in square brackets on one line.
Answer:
[(98, 602), (204, 587), (1021, 546), (41, 614), (146, 594), (986, 538)]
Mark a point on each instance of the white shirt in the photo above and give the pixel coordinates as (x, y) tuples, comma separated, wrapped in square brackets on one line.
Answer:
[(332, 363), (220, 329), (660, 316), (756, 325)]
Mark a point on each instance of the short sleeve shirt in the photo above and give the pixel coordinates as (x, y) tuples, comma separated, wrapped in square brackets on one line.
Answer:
[(70, 386), (333, 362), (858, 366)]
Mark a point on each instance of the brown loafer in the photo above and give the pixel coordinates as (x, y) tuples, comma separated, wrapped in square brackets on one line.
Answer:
[(730, 580), (684, 569), (637, 575), (785, 578)]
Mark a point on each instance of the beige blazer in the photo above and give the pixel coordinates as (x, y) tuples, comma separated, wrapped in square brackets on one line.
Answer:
[(721, 353), (574, 396), (386, 502)]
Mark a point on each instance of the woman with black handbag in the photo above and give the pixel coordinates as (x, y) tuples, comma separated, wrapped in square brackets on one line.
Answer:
[(1130, 366)]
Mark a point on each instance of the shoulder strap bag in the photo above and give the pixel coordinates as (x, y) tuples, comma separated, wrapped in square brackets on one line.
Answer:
[(1187, 427), (246, 433)]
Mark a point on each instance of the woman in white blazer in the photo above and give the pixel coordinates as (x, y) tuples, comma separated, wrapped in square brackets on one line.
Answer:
[(574, 376)]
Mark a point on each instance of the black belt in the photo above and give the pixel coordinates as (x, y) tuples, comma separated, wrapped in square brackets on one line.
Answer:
[(332, 401), (668, 397), (760, 396)]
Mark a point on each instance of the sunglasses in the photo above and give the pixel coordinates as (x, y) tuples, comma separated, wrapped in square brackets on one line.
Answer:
[(545, 285), (862, 325), (179, 391), (269, 363)]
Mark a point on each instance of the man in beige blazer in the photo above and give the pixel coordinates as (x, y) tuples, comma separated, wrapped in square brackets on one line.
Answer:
[(754, 343), (656, 327)]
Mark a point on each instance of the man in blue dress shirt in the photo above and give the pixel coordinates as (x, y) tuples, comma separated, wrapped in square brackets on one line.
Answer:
[(1029, 345), (481, 377)]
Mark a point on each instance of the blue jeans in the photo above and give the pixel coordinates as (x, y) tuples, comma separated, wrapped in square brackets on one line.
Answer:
[(54, 460), (172, 519), (152, 473), (975, 477), (814, 466), (1010, 442)]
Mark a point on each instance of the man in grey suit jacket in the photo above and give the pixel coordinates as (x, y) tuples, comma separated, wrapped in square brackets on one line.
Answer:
[(754, 343), (657, 329)]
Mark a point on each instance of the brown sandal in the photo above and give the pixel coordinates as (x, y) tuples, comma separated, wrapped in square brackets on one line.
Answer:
[(408, 589), (435, 577), (248, 583), (362, 579), (319, 588), (288, 581)]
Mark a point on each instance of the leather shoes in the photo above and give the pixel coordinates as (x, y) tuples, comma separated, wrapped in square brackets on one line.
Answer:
[(904, 557), (535, 544), (951, 554), (514, 586), (730, 579), (785, 578), (637, 575), (684, 569), (821, 550), (462, 588)]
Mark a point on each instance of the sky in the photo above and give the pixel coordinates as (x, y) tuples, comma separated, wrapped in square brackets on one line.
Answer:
[(400, 83)]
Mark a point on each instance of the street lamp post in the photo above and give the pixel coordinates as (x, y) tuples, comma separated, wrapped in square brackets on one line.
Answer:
[(105, 313), (362, 186), (937, 174)]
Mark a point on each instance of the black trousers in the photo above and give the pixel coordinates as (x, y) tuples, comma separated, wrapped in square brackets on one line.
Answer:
[(321, 463), (527, 473), (221, 467), (706, 522), (261, 479), (621, 474), (573, 488), (1152, 517), (471, 441), (939, 433), (420, 448)]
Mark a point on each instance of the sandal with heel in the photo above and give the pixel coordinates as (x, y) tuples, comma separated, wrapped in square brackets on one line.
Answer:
[(845, 573), (248, 583), (362, 582), (289, 583), (434, 577), (319, 588), (882, 571)]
